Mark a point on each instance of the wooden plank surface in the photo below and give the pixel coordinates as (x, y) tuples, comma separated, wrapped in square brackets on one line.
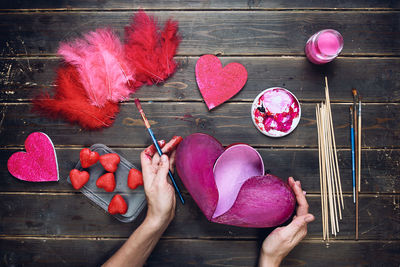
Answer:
[(380, 170), (229, 123), (45, 215), (198, 5), (51, 224), (77, 252), (213, 32), (21, 79)]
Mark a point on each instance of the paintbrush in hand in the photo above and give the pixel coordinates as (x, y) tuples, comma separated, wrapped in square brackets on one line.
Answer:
[(139, 107)]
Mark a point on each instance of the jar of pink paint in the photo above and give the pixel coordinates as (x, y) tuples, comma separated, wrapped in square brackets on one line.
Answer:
[(324, 46)]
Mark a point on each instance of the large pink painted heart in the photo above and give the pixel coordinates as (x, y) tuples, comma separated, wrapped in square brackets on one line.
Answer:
[(229, 185), (218, 84), (38, 163)]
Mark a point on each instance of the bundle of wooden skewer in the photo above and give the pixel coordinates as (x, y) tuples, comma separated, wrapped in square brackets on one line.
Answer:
[(331, 189)]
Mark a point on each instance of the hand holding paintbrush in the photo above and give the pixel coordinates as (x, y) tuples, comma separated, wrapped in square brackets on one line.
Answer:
[(155, 142)]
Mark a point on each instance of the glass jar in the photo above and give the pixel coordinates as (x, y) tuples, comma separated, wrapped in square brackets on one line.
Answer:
[(324, 46)]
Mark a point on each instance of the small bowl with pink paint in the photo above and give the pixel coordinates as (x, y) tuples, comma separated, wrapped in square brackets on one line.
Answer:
[(276, 112)]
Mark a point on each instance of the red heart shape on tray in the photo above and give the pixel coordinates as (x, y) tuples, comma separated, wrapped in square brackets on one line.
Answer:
[(117, 205), (78, 178), (218, 84), (110, 161), (135, 178), (88, 157), (229, 184), (106, 181), (38, 163)]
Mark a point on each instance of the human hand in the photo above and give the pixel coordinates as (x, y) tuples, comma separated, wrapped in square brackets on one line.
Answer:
[(283, 239), (160, 194), (161, 206)]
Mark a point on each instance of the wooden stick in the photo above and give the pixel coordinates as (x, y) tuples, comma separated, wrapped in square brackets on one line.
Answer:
[(337, 177), (328, 179), (359, 164), (325, 191), (359, 143), (355, 124), (333, 168), (356, 214), (326, 204), (330, 169), (317, 119), (332, 178), (356, 146)]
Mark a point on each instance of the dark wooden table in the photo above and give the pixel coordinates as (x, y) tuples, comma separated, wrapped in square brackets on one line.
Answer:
[(51, 224)]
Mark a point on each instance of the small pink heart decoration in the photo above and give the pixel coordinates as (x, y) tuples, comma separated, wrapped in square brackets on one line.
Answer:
[(218, 84), (38, 163)]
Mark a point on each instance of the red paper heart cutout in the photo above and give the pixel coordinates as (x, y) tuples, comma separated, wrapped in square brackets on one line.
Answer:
[(78, 178), (110, 161), (38, 163), (135, 178), (88, 157), (106, 181), (117, 205), (218, 84)]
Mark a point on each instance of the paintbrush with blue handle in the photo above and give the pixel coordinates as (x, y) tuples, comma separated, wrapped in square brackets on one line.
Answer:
[(147, 124)]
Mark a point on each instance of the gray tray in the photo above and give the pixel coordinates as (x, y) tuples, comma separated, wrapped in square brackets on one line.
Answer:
[(135, 199)]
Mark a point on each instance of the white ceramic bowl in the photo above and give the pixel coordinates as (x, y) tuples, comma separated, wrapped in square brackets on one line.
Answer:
[(274, 132)]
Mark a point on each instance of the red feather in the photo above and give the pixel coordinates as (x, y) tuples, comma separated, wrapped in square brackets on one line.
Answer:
[(71, 103), (100, 61), (151, 53), (169, 44)]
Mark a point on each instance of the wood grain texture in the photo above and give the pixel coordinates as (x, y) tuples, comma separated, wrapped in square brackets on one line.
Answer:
[(193, 4), (46, 214), (380, 170), (229, 123), (21, 79), (50, 224), (212, 32), (69, 252)]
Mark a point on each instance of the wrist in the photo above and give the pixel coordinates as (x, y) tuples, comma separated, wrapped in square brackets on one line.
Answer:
[(156, 223), (267, 260)]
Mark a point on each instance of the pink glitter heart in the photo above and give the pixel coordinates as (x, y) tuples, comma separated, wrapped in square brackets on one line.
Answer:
[(218, 84), (38, 163)]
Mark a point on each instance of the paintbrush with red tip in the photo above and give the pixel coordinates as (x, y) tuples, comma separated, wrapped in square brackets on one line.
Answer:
[(139, 107)]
